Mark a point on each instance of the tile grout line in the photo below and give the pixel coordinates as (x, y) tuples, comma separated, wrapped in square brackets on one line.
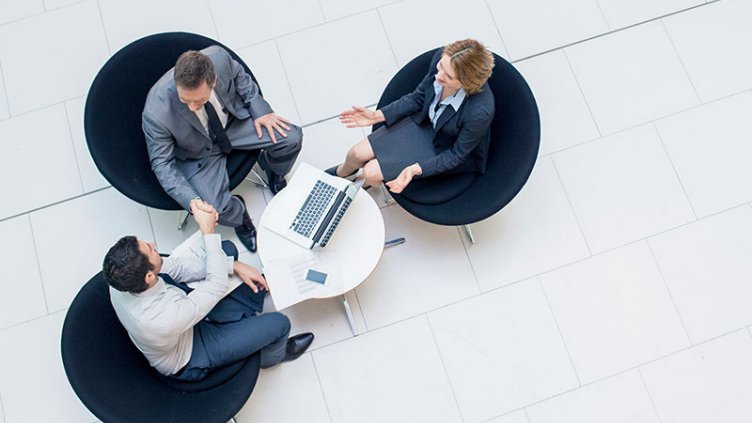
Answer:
[(321, 386), (213, 20), (636, 367), (321, 9), (582, 93), (650, 395), (673, 167), (571, 206), (39, 264), (287, 78), (603, 15), (558, 330), (5, 90), (668, 291), (681, 61), (498, 31), (667, 116), (443, 366), (73, 145), (574, 43), (388, 40), (106, 38), (56, 203), (2, 409)]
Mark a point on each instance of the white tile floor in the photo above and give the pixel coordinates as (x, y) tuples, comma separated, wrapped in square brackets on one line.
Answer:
[(615, 288)]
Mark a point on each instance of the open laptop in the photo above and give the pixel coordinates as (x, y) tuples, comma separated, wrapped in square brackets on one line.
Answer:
[(312, 206)]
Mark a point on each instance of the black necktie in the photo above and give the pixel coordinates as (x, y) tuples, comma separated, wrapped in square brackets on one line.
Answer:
[(216, 131), (169, 280)]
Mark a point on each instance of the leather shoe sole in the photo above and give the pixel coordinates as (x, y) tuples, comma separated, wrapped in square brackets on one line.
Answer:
[(297, 345)]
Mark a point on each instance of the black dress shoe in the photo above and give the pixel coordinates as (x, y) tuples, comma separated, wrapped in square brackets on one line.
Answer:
[(276, 182), (333, 171), (246, 232), (297, 345), (247, 235)]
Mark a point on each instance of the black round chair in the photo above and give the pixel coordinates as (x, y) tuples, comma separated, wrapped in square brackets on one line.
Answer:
[(461, 199), (113, 379), (112, 116)]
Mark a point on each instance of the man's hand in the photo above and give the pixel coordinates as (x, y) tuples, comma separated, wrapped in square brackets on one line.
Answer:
[(272, 122), (397, 185), (250, 276), (360, 116), (205, 215)]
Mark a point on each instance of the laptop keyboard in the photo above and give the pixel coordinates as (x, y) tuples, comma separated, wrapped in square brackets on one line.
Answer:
[(335, 222), (312, 208)]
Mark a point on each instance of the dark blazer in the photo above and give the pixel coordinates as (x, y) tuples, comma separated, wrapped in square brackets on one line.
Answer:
[(461, 136)]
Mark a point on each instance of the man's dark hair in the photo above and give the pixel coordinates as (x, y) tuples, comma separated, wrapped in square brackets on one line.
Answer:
[(192, 68), (125, 266)]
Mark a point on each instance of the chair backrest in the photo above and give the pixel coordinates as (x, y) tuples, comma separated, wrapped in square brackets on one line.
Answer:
[(513, 150), (112, 117), (113, 379)]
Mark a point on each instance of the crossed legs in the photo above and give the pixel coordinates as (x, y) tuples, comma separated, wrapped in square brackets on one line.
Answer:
[(361, 155)]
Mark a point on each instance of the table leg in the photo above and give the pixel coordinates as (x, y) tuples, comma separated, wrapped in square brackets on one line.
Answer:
[(348, 311)]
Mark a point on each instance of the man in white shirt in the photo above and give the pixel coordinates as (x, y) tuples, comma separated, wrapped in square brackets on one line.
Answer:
[(185, 332)]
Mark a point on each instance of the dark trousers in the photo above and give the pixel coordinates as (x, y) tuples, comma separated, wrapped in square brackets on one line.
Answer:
[(234, 330)]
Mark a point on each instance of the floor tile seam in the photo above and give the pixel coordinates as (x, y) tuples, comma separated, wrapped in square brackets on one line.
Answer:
[(673, 169), (604, 34), (360, 307), (668, 291), (582, 93), (603, 15), (327, 119), (388, 38), (60, 7), (5, 91), (57, 203), (39, 264), (211, 17), (287, 80), (647, 122), (104, 31), (681, 61), (571, 206), (558, 330), (636, 367), (73, 146), (151, 225), (321, 386), (33, 319), (393, 2), (443, 366), (650, 395), (31, 16), (321, 9), (469, 260), (498, 30), (299, 30)]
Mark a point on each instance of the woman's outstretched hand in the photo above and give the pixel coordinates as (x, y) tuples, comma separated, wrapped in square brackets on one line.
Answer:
[(397, 185), (360, 116)]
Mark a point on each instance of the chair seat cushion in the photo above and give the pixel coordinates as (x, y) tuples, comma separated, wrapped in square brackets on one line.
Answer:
[(215, 378), (438, 189)]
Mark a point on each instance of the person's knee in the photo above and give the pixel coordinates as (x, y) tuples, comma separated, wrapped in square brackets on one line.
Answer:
[(280, 322), (372, 172), (359, 152)]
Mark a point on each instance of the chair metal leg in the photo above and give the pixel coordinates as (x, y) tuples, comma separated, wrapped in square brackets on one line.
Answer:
[(469, 233), (385, 193), (232, 420), (258, 180), (348, 311), (182, 220), (395, 241)]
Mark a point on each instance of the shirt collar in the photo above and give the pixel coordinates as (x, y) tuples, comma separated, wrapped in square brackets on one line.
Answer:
[(455, 100)]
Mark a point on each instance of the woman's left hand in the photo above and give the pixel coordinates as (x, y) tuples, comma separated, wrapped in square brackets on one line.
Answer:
[(397, 185)]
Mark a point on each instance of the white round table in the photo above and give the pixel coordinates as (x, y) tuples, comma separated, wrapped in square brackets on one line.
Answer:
[(353, 251)]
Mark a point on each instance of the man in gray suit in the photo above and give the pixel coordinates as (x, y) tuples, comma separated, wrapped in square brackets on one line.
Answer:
[(195, 115)]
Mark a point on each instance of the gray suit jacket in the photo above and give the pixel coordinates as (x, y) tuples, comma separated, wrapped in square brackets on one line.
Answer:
[(177, 142)]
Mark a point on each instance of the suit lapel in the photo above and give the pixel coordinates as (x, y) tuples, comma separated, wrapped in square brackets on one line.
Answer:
[(222, 90), (447, 114)]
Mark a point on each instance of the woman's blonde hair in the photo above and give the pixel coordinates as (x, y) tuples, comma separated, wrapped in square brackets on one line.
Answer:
[(472, 62)]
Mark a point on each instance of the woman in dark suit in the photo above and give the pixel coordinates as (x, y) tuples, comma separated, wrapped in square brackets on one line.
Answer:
[(442, 126)]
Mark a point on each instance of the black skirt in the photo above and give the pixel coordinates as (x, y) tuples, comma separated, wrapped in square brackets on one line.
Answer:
[(401, 145)]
